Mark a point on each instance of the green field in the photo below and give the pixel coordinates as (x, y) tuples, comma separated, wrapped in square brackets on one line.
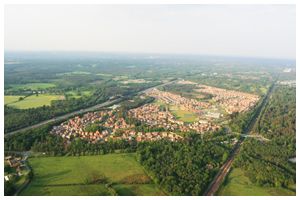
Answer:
[(183, 115), (33, 86), (73, 190), (237, 184), (11, 99), (34, 101), (54, 175), (180, 114), (76, 95), (137, 189)]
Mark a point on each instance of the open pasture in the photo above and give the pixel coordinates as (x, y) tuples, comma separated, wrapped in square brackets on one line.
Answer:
[(70, 190), (237, 184), (33, 86), (183, 115), (180, 113), (35, 101), (8, 99), (76, 95), (81, 175)]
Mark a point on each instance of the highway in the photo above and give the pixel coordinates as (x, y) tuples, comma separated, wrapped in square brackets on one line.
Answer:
[(81, 111), (224, 170)]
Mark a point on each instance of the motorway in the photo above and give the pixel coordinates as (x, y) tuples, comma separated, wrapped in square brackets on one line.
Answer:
[(81, 111), (224, 170)]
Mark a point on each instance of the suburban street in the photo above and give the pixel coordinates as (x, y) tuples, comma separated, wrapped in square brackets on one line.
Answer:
[(224, 170)]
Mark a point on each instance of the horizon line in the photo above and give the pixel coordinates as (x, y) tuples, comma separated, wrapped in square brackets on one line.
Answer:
[(147, 53)]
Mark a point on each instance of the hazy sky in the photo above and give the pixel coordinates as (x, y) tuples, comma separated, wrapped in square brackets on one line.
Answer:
[(259, 31)]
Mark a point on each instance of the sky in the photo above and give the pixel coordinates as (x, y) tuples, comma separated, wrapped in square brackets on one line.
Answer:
[(227, 30)]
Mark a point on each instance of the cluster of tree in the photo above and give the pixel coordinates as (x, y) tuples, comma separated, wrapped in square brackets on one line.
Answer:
[(180, 88), (9, 188), (240, 79), (147, 128), (18, 118), (239, 121), (243, 122), (135, 102), (279, 116), (266, 162), (25, 140), (79, 147), (186, 167), (93, 127), (12, 185)]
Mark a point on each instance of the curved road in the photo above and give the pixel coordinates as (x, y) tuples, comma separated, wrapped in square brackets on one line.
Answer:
[(224, 170), (81, 111)]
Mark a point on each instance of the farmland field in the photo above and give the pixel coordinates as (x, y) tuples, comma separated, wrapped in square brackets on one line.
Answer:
[(54, 175), (80, 94), (71, 190), (138, 189), (33, 86), (73, 94), (11, 99), (237, 184), (34, 101)]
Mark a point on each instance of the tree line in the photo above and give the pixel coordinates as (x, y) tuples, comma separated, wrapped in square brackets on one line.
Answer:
[(266, 162)]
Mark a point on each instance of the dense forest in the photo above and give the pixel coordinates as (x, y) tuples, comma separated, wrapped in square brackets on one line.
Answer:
[(279, 117), (187, 167), (266, 162)]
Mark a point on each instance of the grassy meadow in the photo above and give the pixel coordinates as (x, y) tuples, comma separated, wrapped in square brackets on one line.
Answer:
[(179, 113), (138, 189), (54, 175), (33, 101), (33, 86), (183, 115), (71, 190), (237, 184), (76, 95), (11, 99)]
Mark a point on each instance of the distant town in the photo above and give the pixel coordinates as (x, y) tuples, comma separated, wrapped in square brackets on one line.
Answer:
[(111, 126)]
